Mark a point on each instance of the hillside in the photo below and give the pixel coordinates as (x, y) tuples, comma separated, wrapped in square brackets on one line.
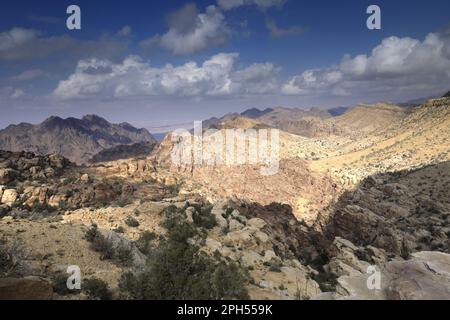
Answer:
[(76, 139), (123, 151), (367, 119), (419, 139)]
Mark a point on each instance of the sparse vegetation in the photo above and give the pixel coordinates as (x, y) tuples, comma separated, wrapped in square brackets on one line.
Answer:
[(132, 222), (144, 241), (120, 252), (96, 289), (179, 270)]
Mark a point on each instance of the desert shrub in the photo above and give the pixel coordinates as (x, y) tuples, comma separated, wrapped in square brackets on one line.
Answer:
[(59, 282), (178, 270), (42, 207), (91, 233), (144, 241), (326, 281), (6, 264), (123, 254), (104, 246), (119, 229), (227, 282), (203, 218), (97, 289), (174, 189), (132, 222), (120, 253)]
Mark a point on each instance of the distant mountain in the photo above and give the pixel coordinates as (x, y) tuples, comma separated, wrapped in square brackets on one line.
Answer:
[(122, 151), (255, 113), (447, 95), (337, 111), (76, 139)]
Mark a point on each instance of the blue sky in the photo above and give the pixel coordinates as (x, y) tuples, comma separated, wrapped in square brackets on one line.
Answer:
[(157, 63)]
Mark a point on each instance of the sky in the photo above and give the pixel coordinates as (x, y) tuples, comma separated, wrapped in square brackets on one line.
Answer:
[(163, 64)]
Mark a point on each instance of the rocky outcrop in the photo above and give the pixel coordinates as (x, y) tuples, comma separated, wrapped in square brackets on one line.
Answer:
[(401, 212), (368, 273)]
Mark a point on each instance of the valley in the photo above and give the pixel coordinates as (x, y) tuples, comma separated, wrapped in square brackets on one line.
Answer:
[(368, 187)]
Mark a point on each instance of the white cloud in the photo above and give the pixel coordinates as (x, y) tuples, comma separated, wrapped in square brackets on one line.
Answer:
[(278, 32), (191, 31), (217, 76), (395, 65), (11, 93), (16, 37), (29, 75), (262, 4)]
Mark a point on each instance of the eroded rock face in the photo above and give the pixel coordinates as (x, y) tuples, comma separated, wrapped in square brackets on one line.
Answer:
[(29, 288), (365, 273), (402, 212), (425, 277)]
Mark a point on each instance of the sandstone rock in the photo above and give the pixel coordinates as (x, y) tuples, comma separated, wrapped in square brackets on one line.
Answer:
[(9, 196), (218, 213), (257, 223), (269, 255), (30, 288), (212, 244), (261, 236), (426, 276), (189, 214), (235, 225), (250, 258), (2, 188), (85, 178)]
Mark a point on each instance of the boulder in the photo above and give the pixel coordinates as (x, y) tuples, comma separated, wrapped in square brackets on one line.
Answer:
[(7, 175), (9, 196), (235, 225), (29, 288), (218, 213), (85, 178), (256, 223)]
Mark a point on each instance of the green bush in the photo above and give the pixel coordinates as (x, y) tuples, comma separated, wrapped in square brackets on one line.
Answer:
[(178, 270), (59, 283), (203, 218), (91, 233), (124, 255), (120, 253), (144, 241), (96, 289), (132, 222)]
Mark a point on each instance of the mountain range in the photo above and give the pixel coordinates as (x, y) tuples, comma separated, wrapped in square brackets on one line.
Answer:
[(76, 139)]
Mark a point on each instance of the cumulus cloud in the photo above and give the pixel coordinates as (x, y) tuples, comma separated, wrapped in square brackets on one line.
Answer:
[(396, 64), (262, 4), (20, 44), (278, 32), (16, 37), (217, 76), (191, 31)]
